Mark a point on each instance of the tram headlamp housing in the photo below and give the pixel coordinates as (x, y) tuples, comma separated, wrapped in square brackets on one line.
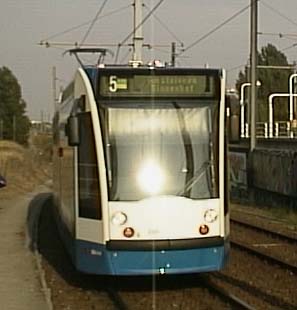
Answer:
[(119, 218), (210, 215)]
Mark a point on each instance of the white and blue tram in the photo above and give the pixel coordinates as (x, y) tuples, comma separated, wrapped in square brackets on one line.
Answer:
[(140, 178)]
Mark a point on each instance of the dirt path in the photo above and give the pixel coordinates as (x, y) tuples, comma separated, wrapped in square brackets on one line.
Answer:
[(20, 286), (24, 169)]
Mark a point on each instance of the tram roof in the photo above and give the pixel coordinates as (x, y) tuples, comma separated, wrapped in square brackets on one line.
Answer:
[(126, 68)]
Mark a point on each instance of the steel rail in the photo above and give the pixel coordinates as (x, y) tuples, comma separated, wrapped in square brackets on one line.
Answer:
[(267, 257), (259, 294), (226, 295), (116, 298), (278, 234)]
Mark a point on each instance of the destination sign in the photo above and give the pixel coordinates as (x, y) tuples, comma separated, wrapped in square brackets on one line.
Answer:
[(157, 86)]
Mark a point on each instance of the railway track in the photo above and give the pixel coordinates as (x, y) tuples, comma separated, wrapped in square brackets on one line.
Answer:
[(278, 234), (77, 291), (116, 298), (257, 297), (182, 292), (85, 292), (265, 256), (261, 280), (231, 298), (275, 247)]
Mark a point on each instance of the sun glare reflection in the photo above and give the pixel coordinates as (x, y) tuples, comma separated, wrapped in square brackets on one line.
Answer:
[(151, 178)]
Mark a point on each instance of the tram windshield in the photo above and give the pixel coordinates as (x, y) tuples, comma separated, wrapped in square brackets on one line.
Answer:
[(153, 150)]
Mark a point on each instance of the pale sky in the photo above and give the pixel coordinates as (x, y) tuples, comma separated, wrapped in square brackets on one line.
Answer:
[(23, 24)]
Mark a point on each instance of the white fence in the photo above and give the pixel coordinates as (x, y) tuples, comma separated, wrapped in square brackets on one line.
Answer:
[(281, 129)]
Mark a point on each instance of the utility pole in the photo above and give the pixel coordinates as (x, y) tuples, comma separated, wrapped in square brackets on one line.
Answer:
[(54, 85), (173, 54), (137, 38), (253, 50), (294, 90)]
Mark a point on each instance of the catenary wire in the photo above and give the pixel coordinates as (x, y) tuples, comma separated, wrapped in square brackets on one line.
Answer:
[(280, 35), (289, 47), (93, 22), (166, 27), (126, 55), (85, 23), (214, 30), (278, 13)]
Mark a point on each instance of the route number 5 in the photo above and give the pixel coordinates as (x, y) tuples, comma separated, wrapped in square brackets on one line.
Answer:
[(113, 87)]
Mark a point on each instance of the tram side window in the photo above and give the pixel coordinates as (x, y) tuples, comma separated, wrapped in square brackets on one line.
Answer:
[(88, 183)]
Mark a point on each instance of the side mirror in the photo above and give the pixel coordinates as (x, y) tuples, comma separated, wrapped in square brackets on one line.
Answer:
[(2, 182), (72, 130)]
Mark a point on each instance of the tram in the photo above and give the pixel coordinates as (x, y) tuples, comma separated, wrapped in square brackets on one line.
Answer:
[(140, 174)]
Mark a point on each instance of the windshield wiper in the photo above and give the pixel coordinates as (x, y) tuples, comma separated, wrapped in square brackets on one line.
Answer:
[(196, 177)]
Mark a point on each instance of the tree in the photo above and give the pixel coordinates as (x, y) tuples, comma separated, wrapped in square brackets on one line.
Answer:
[(14, 123), (272, 81)]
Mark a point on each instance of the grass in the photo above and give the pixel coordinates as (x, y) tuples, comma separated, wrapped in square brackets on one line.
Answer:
[(23, 167)]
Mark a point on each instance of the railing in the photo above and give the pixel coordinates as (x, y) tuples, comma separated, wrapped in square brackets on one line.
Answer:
[(262, 130), (281, 129)]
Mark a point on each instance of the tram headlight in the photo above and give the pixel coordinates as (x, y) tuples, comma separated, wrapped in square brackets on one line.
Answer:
[(119, 218), (210, 215), (150, 178)]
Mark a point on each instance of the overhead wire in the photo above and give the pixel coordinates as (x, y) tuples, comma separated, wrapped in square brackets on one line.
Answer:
[(287, 19), (228, 20), (137, 27), (289, 37), (278, 13), (280, 35), (93, 22), (126, 55), (166, 27), (86, 23), (289, 47)]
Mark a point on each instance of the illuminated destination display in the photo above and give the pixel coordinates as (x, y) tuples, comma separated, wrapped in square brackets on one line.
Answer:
[(157, 86)]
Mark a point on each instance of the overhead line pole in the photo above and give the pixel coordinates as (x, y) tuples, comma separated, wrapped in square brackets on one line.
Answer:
[(253, 71), (137, 2), (173, 53), (54, 86), (137, 38)]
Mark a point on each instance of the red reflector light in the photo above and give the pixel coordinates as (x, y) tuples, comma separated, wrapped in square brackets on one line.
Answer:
[(203, 229), (128, 232)]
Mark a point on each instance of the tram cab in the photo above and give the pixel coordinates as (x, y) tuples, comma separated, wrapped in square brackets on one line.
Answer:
[(140, 170)]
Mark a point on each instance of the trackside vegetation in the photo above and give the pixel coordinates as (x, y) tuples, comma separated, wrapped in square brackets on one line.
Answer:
[(14, 124)]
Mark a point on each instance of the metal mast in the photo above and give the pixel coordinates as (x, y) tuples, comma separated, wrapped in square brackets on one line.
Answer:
[(173, 54), (254, 30), (137, 37), (54, 86)]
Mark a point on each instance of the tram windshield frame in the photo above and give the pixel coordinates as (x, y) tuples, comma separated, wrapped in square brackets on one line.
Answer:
[(155, 140)]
